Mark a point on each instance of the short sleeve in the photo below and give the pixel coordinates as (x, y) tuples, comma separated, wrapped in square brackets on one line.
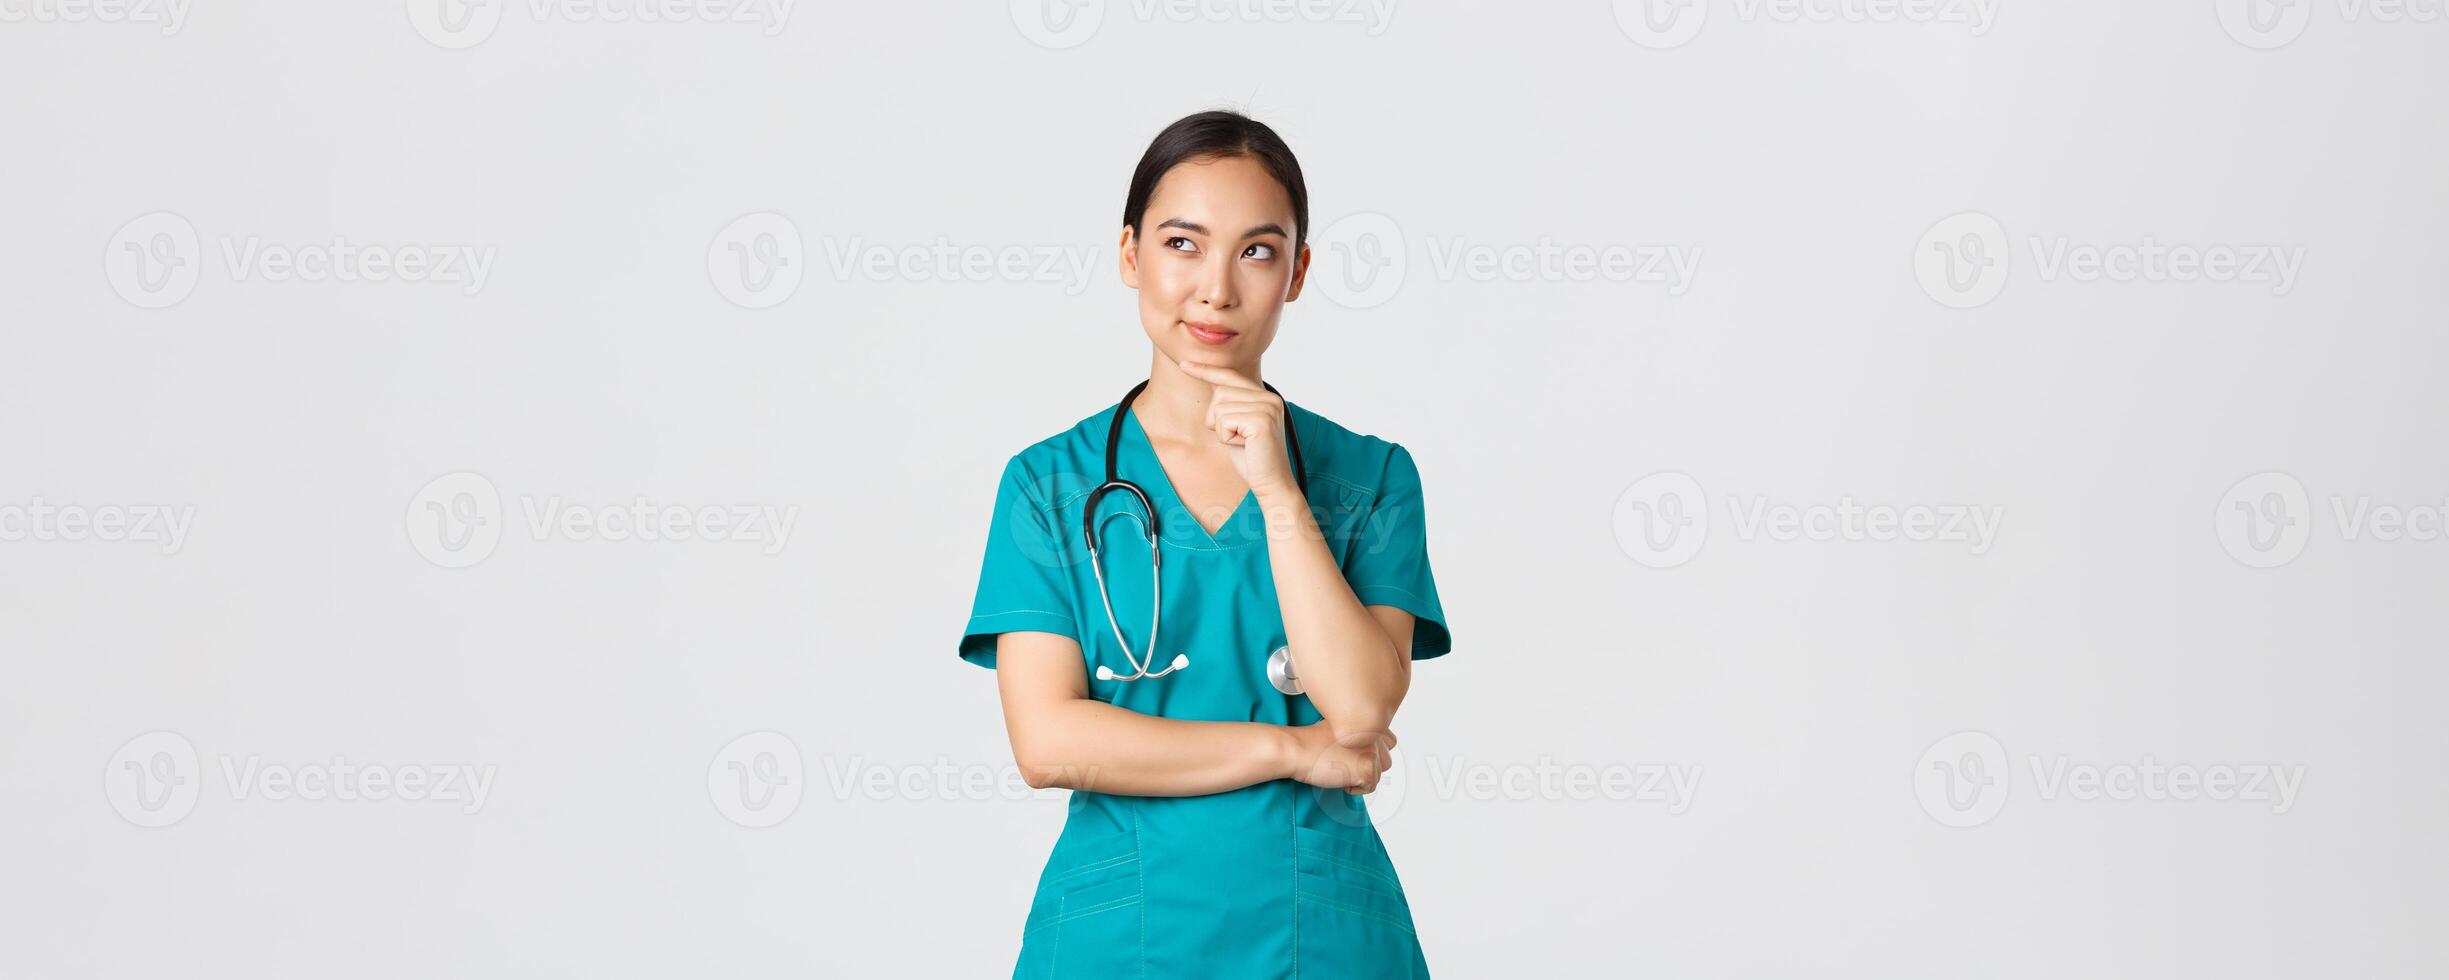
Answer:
[(1390, 562), (1021, 583)]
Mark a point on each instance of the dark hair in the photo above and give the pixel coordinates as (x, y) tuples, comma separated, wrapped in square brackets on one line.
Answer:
[(1214, 134)]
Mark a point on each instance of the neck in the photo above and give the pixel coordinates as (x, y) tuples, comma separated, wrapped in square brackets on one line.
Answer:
[(1174, 406)]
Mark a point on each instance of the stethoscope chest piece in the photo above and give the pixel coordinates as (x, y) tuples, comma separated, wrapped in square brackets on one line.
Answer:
[(1280, 671)]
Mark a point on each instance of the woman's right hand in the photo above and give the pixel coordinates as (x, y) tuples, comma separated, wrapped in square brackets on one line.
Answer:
[(1352, 763)]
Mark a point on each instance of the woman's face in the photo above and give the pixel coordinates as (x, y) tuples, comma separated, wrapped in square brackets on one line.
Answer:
[(1212, 261)]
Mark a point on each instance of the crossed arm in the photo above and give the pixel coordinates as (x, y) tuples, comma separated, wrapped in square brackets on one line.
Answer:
[(1354, 661)]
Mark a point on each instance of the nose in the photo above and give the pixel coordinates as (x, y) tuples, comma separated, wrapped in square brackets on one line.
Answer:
[(1216, 283)]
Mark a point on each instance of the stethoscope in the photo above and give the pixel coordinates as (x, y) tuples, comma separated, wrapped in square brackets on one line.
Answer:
[(1279, 664)]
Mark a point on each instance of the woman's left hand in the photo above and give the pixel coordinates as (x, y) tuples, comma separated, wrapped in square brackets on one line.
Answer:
[(1249, 419)]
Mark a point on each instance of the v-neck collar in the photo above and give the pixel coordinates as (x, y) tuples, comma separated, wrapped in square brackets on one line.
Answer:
[(1172, 509)]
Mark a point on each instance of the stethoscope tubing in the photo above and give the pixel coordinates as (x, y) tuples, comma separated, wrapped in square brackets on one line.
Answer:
[(1156, 555)]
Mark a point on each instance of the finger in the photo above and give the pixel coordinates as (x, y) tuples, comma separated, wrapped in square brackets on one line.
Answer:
[(1250, 402), (1255, 419), (1224, 399), (1223, 410), (1238, 428)]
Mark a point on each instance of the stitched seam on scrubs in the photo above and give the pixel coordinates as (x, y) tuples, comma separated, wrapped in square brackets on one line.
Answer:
[(1108, 906), (1015, 612), (1363, 869), (1143, 894), (1295, 828), (1098, 865), (1341, 482), (1068, 915), (1361, 887), (1357, 910), (1395, 589)]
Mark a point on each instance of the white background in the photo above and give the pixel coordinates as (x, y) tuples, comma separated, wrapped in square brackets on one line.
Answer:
[(2124, 611)]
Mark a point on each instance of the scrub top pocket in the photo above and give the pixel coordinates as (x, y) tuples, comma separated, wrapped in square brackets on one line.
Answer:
[(1087, 919), (1354, 921)]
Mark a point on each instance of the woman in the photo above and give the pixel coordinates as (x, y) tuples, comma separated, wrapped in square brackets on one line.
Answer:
[(1220, 748)]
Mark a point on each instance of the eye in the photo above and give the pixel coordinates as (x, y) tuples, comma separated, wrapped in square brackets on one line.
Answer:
[(1261, 251), (1180, 244)]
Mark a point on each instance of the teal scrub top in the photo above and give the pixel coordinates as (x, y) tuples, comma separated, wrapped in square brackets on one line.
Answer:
[(1276, 879)]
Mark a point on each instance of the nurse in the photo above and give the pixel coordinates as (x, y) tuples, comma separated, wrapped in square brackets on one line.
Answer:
[(1219, 699)]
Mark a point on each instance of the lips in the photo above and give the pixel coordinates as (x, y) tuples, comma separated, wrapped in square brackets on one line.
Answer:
[(1210, 333)]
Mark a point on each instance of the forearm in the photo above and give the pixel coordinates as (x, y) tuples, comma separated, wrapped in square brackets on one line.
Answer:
[(1085, 744), (1348, 665)]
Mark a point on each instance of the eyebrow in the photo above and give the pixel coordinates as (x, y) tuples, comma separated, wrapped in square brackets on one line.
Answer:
[(1270, 228)]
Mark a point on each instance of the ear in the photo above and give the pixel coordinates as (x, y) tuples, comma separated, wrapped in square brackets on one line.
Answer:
[(1301, 273), (1130, 257)]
